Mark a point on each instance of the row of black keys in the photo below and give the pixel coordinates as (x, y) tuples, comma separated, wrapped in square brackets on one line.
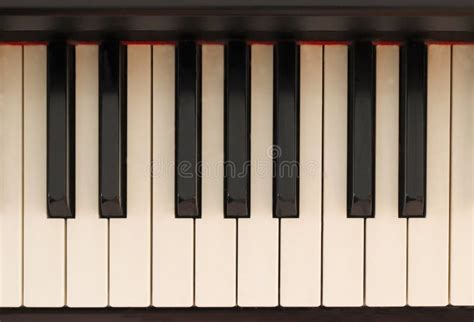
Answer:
[(113, 124)]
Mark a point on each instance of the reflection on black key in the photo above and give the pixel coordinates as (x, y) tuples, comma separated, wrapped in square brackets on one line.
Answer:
[(237, 131), (412, 172), (361, 130), (112, 130), (60, 133), (285, 131), (188, 131)]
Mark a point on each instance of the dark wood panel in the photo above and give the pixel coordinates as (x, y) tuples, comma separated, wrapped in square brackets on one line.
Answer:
[(232, 4), (224, 36), (404, 314), (193, 19)]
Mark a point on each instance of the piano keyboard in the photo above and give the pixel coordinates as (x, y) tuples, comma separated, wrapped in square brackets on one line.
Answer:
[(221, 175)]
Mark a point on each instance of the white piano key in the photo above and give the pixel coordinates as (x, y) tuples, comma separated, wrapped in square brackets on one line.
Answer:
[(44, 239), (215, 236), (386, 235), (300, 239), (428, 238), (257, 266), (462, 176), (130, 238), (11, 177), (87, 234), (343, 238), (173, 239)]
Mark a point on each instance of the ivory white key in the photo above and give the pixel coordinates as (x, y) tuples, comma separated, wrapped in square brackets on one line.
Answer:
[(386, 235), (300, 240), (173, 239), (343, 238), (428, 238), (44, 239), (11, 178), (87, 234), (258, 260), (462, 176), (130, 238), (215, 235)]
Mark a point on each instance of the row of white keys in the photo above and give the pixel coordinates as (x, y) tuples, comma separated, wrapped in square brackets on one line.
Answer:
[(215, 274), (44, 239), (462, 177), (421, 253), (11, 178), (428, 240), (91, 279), (157, 267)]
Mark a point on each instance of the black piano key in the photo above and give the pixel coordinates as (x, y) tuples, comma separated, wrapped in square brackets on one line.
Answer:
[(112, 129), (361, 131), (237, 131), (412, 170), (60, 130), (188, 131), (285, 131)]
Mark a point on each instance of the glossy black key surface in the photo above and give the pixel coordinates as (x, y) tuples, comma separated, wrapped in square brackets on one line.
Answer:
[(412, 169), (237, 131), (112, 129), (60, 130), (361, 131), (188, 131), (286, 130)]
